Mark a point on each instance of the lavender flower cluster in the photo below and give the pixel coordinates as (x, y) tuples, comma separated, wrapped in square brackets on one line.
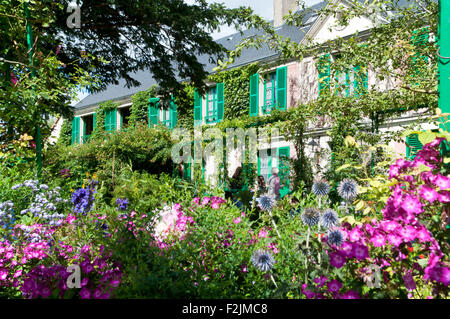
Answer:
[(6, 212), (44, 202)]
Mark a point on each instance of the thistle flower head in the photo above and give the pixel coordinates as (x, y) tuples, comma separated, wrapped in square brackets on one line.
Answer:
[(266, 202), (348, 189), (263, 260), (310, 216), (335, 237), (320, 187), (329, 218)]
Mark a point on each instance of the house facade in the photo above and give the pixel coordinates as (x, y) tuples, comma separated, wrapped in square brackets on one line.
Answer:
[(279, 86)]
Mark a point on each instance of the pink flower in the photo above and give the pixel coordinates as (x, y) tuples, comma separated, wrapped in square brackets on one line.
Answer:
[(428, 193), (58, 49), (334, 285), (196, 200), (443, 182), (215, 205), (355, 234), (337, 259), (346, 249), (412, 205), (18, 273), (237, 220), (205, 201), (274, 248), (408, 233), (3, 274), (70, 219), (360, 251), (263, 233)]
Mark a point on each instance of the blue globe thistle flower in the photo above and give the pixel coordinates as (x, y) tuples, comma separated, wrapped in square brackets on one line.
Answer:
[(335, 237), (266, 202), (311, 216), (329, 218), (320, 187), (263, 260), (348, 189)]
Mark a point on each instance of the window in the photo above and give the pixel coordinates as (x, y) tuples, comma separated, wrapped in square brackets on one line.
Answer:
[(211, 105), (214, 105), (88, 126), (274, 92), (270, 96), (158, 115), (125, 113)]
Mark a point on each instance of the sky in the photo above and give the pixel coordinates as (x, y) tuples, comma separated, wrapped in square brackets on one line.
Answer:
[(264, 8)]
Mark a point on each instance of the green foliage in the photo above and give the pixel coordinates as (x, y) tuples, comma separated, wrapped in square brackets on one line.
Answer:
[(65, 135), (236, 89), (139, 108)]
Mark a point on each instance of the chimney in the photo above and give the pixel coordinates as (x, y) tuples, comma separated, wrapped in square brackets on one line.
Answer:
[(280, 9)]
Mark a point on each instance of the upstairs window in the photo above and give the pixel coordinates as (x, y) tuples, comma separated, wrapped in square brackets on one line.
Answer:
[(88, 126), (274, 93), (270, 89)]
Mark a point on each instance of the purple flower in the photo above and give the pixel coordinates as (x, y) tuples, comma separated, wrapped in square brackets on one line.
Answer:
[(360, 251), (334, 285), (122, 203), (337, 259), (409, 282), (351, 294)]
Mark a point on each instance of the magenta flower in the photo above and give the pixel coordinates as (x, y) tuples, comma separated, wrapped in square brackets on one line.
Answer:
[(428, 193), (346, 249), (412, 205), (378, 240), (355, 234), (205, 201), (320, 281), (85, 293), (394, 240), (443, 182), (360, 251), (237, 220), (334, 285), (196, 200), (337, 259), (444, 196), (423, 235), (351, 294)]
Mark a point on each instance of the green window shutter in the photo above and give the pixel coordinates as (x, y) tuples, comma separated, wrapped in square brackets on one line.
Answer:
[(254, 94), (413, 146), (187, 171), (324, 73), (153, 112), (220, 101), (113, 119), (197, 107), (94, 119), (173, 113), (281, 87), (75, 130), (107, 121), (84, 130), (283, 170)]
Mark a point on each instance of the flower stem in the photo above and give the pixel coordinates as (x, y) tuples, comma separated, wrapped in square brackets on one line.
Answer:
[(273, 280), (274, 225)]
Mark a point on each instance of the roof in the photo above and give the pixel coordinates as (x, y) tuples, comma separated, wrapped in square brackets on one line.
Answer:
[(120, 91)]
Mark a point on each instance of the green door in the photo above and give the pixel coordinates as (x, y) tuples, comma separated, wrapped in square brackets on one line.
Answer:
[(283, 170)]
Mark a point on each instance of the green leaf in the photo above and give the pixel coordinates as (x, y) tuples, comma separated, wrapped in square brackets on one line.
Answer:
[(343, 167)]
